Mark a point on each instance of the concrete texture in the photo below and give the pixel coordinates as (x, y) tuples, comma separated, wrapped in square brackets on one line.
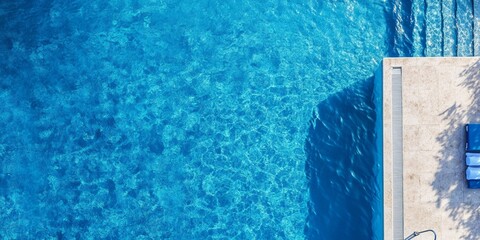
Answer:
[(439, 96)]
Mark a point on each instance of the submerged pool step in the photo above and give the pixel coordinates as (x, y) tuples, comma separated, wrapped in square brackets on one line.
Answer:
[(449, 28), (476, 28), (464, 19), (434, 35)]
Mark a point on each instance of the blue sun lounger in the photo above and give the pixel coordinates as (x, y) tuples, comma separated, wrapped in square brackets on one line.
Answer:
[(472, 155)]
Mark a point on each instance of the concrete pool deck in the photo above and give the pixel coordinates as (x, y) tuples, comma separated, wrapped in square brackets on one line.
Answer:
[(426, 103)]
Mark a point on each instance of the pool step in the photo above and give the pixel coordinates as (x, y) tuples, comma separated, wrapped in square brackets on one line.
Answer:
[(476, 28), (433, 32), (464, 19), (449, 28)]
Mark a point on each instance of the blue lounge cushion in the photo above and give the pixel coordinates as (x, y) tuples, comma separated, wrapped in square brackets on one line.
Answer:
[(472, 159), (473, 173), (473, 137)]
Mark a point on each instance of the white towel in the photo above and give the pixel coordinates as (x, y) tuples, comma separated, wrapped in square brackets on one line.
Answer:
[(472, 159), (473, 173)]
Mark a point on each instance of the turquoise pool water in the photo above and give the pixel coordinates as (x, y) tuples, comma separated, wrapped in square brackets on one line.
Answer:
[(159, 119)]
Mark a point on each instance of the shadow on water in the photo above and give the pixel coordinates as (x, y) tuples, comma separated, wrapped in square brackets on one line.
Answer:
[(340, 165), (462, 204)]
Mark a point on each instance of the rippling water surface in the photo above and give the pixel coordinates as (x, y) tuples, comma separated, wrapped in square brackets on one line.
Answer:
[(159, 119)]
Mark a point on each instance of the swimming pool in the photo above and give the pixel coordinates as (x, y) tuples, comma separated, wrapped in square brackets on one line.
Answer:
[(193, 119)]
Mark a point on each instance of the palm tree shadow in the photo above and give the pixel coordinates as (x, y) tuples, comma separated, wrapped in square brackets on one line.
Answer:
[(449, 185), (340, 166)]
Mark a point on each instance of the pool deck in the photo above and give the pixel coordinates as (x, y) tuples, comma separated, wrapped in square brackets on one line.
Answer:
[(423, 119)]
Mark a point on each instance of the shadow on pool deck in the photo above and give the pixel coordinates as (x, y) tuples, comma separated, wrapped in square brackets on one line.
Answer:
[(461, 204), (340, 165)]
